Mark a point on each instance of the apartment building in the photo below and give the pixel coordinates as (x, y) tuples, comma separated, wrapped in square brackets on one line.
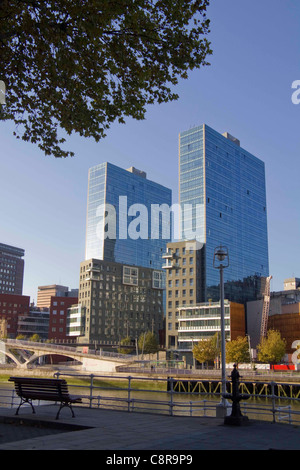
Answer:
[(119, 300)]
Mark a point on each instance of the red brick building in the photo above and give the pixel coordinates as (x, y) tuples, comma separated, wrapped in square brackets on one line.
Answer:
[(58, 317), (11, 307)]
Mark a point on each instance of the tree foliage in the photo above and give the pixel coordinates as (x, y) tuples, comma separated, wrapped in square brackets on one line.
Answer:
[(125, 342), (207, 350), (35, 338), (238, 350), (80, 65), (148, 343), (272, 348)]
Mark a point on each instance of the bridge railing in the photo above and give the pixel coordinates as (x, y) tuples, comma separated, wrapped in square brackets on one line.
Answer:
[(58, 348), (35, 344)]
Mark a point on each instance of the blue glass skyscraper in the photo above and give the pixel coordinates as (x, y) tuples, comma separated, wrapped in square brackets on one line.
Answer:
[(122, 217), (222, 187)]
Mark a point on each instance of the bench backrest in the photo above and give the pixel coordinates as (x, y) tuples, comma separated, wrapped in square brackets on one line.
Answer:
[(31, 387)]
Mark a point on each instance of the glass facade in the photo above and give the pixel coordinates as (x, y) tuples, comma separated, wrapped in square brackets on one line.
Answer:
[(223, 188), (124, 221)]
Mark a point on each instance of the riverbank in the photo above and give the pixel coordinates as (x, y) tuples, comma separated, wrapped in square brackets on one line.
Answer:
[(152, 376), (117, 382)]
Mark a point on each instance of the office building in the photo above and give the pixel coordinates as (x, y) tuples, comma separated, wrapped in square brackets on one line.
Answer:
[(222, 194), (45, 293), (123, 222), (119, 301), (11, 269)]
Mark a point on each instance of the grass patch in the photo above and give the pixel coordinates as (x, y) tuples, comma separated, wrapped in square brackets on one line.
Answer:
[(119, 383), (4, 377), (103, 382)]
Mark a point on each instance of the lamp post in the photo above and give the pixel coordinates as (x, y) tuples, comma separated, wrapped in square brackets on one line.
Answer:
[(221, 261)]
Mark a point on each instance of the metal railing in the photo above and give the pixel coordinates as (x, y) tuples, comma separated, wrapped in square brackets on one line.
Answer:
[(123, 393)]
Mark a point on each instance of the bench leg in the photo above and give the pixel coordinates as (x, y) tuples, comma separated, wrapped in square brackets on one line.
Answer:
[(62, 405), (27, 400)]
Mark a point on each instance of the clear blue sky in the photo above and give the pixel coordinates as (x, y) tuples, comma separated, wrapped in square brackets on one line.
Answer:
[(246, 91)]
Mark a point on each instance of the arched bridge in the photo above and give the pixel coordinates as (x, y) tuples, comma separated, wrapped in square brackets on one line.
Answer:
[(25, 353)]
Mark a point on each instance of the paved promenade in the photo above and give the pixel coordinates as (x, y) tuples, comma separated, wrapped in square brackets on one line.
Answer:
[(94, 429)]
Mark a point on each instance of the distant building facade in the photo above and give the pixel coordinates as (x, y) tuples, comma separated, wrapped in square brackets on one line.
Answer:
[(223, 187), (45, 293), (183, 264), (34, 322), (128, 224), (284, 315), (75, 322), (13, 306), (119, 300), (58, 317), (203, 321), (11, 269), (119, 219), (292, 283)]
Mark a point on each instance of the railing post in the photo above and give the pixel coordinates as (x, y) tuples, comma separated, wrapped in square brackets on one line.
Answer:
[(273, 400), (290, 415), (204, 407), (91, 389), (171, 381), (12, 398), (129, 390)]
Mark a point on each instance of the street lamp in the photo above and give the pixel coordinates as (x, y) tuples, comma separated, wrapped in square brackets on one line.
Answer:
[(221, 261)]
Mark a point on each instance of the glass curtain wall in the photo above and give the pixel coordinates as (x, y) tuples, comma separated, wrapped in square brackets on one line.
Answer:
[(229, 185), (122, 217)]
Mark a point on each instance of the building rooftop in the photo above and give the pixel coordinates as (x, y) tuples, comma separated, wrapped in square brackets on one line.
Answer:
[(12, 250)]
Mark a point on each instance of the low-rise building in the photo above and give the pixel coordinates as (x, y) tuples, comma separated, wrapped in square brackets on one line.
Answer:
[(34, 322), (203, 321), (288, 323), (284, 315)]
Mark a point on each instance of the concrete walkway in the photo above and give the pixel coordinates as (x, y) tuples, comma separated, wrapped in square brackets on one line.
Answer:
[(94, 429)]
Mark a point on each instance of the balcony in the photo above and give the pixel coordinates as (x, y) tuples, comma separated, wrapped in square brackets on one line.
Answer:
[(92, 278), (93, 268), (172, 265), (199, 329)]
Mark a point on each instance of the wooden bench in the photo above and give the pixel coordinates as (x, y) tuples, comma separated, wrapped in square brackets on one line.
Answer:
[(31, 388)]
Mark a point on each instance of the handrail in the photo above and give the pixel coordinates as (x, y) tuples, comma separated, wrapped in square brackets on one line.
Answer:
[(58, 347), (98, 396), (171, 404)]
